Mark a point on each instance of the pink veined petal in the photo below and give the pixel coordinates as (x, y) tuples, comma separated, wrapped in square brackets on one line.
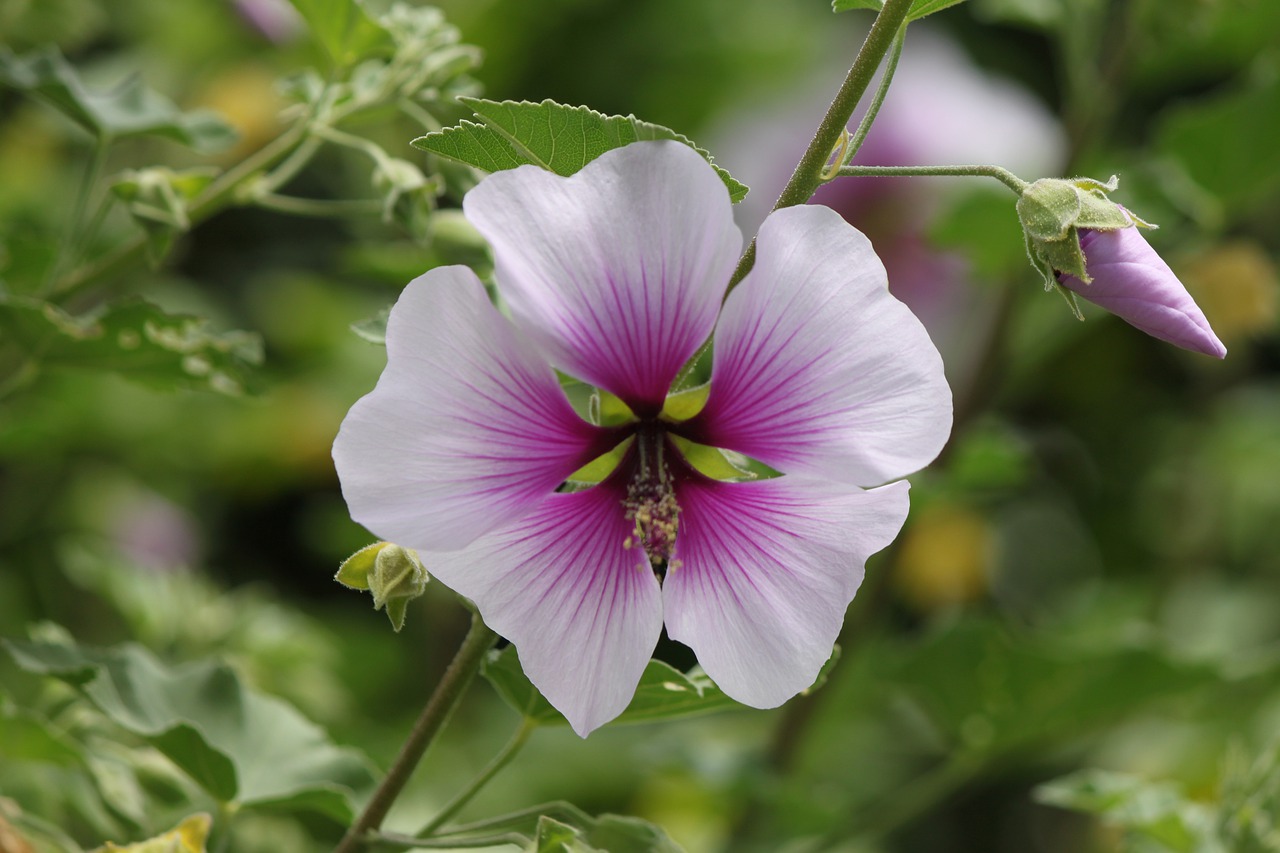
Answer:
[(617, 271), (818, 370), (766, 572), (1132, 281), (467, 429), (583, 611)]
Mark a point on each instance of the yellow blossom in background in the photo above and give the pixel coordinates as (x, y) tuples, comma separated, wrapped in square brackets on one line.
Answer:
[(945, 559), (1237, 285)]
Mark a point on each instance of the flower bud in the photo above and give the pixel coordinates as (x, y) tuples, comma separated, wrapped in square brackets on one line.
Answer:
[(1086, 245), (393, 575), (1130, 280)]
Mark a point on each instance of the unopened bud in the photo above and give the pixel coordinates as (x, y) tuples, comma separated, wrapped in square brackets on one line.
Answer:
[(393, 575)]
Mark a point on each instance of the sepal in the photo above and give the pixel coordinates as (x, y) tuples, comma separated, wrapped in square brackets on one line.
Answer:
[(1053, 211)]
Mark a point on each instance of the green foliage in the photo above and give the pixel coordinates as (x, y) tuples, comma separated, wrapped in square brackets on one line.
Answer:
[(137, 339), (159, 200), (1159, 816), (1157, 812), (1240, 168), (986, 691), (919, 9), (241, 746), (556, 137), (343, 28), (129, 109)]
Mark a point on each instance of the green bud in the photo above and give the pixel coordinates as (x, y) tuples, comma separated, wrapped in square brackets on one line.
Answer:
[(393, 575)]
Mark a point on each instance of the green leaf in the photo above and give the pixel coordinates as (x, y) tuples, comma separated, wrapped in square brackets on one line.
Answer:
[(239, 745), (919, 9), (344, 28), (128, 109), (664, 692), (26, 737), (559, 138), (133, 338)]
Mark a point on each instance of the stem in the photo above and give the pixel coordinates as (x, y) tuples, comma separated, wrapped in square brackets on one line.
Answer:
[(1004, 176), (495, 840), (877, 100), (443, 700), (501, 760), (321, 207), (807, 176)]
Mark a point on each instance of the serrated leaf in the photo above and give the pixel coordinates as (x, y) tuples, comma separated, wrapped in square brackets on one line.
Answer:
[(343, 27), (664, 692), (136, 339), (919, 9), (239, 745), (128, 109), (559, 138)]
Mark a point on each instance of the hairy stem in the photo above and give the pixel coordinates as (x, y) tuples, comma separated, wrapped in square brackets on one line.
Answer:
[(807, 176), (1004, 176), (439, 707), (877, 100)]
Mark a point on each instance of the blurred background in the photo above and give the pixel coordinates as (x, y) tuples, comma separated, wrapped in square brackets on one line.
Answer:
[(1081, 616)]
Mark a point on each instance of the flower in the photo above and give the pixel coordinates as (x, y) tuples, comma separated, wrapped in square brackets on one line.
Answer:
[(615, 276), (1131, 281)]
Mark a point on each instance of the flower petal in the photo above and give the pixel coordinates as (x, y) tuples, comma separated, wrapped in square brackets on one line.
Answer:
[(618, 271), (818, 370), (1133, 282), (467, 428), (583, 611), (766, 572)]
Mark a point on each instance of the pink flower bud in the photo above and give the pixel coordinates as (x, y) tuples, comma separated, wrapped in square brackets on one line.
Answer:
[(1131, 281)]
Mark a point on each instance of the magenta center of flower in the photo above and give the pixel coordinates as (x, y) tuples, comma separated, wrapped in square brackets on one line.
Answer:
[(651, 498)]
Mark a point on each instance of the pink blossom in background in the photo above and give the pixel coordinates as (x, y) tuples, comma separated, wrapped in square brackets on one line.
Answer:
[(275, 19), (941, 110), (616, 276)]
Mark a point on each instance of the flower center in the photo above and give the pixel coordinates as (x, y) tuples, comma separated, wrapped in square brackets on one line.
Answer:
[(651, 499)]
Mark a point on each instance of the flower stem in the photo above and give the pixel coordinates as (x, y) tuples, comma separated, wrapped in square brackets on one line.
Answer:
[(1004, 176), (501, 760), (443, 700), (807, 176), (877, 100)]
